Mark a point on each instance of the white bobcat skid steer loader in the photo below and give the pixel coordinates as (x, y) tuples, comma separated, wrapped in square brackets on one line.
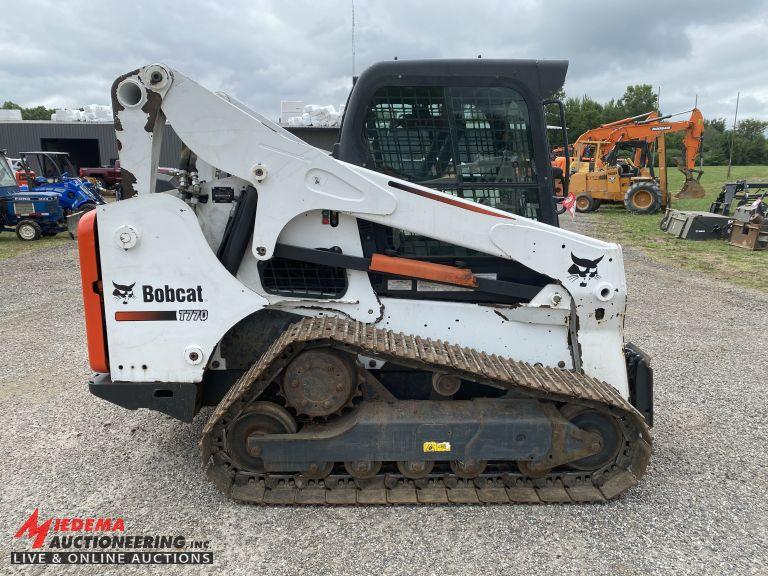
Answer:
[(399, 322)]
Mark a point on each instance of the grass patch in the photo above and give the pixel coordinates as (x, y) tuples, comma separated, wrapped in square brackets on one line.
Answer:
[(11, 246), (715, 257)]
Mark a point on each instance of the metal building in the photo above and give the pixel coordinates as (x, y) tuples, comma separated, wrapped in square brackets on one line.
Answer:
[(92, 144)]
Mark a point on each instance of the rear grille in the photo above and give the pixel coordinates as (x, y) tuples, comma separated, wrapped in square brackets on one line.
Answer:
[(295, 278)]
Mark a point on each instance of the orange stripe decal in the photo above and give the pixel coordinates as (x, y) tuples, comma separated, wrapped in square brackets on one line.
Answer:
[(472, 207), (145, 315), (93, 299), (424, 270)]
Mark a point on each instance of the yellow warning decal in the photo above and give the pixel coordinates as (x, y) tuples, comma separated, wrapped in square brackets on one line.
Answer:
[(437, 446)]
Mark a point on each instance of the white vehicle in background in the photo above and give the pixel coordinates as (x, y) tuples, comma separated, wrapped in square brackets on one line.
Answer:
[(14, 163)]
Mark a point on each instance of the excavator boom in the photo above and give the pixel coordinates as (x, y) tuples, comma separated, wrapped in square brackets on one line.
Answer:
[(649, 130)]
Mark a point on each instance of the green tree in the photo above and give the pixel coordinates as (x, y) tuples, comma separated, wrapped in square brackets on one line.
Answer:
[(552, 112), (638, 99), (585, 113), (612, 111), (749, 144), (581, 114), (715, 143), (716, 124), (36, 113)]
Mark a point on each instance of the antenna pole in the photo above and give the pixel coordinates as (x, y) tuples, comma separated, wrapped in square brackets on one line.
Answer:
[(701, 147), (733, 133), (353, 39)]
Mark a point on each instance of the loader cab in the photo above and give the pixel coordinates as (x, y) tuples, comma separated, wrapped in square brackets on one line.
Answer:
[(472, 128), (8, 184), (50, 167), (632, 158)]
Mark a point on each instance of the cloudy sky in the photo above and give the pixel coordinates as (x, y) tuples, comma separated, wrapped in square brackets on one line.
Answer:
[(60, 53)]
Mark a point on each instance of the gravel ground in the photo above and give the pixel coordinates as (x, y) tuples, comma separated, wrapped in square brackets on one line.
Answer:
[(701, 509)]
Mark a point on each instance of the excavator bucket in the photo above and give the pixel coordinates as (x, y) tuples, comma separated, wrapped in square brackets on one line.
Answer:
[(691, 189)]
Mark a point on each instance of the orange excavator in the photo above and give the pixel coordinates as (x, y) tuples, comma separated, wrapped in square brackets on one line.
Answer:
[(615, 163)]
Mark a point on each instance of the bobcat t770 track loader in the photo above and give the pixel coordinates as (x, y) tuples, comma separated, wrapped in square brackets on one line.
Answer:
[(400, 321)]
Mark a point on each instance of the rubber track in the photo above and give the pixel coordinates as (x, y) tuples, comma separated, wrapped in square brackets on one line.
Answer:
[(414, 351)]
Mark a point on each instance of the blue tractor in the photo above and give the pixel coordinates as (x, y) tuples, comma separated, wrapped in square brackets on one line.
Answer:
[(31, 214), (53, 173)]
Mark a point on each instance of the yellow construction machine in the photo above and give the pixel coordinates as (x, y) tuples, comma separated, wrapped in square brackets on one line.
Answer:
[(616, 163)]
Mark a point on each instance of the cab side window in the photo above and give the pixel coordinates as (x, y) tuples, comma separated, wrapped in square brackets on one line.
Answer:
[(472, 142)]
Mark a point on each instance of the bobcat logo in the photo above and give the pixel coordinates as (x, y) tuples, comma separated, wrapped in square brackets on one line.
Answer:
[(123, 293), (583, 270)]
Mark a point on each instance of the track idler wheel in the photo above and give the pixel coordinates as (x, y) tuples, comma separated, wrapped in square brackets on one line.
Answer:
[(467, 469), (415, 469), (597, 434), (258, 419), (604, 426)]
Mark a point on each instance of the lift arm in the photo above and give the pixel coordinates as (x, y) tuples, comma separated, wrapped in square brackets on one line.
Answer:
[(293, 177)]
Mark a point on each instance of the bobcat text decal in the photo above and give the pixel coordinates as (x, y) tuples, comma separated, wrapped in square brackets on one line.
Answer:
[(165, 294), (124, 292), (169, 294)]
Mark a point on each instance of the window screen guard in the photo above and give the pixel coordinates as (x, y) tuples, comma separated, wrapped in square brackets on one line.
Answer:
[(472, 142)]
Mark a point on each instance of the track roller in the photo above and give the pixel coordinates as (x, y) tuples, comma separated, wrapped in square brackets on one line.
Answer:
[(468, 468), (415, 469), (362, 469), (318, 470)]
